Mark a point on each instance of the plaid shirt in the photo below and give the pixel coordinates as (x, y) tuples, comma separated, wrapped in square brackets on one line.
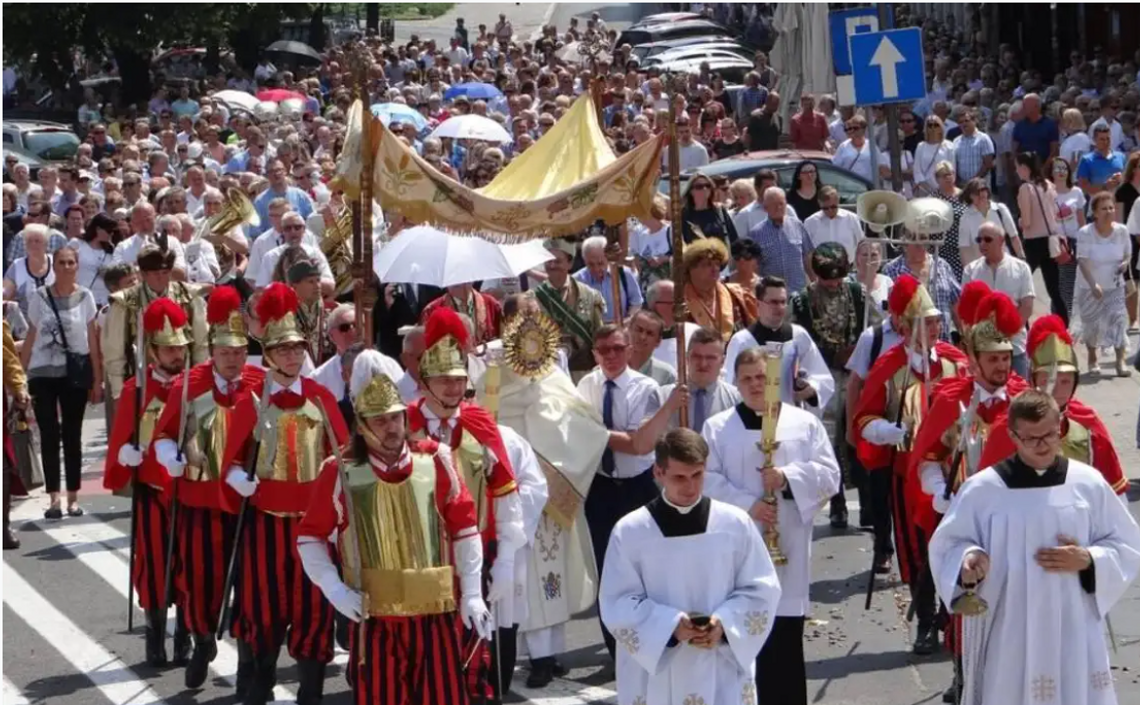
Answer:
[(969, 152), (782, 249), (17, 249), (943, 287)]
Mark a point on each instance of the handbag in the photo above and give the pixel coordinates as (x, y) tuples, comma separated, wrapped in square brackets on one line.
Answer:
[(79, 371), (1058, 246)]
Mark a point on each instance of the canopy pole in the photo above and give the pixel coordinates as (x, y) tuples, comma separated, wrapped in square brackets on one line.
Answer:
[(676, 231), (363, 294), (597, 84)]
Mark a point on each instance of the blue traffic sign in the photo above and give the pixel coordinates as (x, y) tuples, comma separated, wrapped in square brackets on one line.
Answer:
[(888, 67), (844, 24)]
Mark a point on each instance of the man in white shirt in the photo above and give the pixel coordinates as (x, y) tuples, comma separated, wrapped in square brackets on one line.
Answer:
[(271, 239), (629, 403), (142, 225), (196, 189), (293, 231), (1005, 273), (693, 154), (832, 224), (1108, 107), (754, 213), (342, 332)]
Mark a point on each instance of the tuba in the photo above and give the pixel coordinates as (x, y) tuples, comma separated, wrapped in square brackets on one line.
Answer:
[(237, 210), (336, 246)]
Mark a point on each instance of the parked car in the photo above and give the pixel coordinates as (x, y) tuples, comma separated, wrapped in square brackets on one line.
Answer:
[(33, 162), (48, 141), (673, 30), (665, 17), (644, 52), (783, 161), (732, 69), (700, 52)]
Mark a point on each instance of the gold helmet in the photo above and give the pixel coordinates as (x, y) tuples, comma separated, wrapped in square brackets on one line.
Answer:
[(445, 338), (223, 314), (996, 322), (910, 301), (164, 323), (277, 311), (1050, 346), (373, 392)]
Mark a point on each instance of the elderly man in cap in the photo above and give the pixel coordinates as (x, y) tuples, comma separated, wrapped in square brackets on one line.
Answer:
[(574, 306), (292, 235)]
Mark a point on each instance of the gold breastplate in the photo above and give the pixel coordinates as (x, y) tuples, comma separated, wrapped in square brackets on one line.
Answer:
[(293, 447), (911, 398), (474, 466), (404, 546), (1077, 443), (207, 441)]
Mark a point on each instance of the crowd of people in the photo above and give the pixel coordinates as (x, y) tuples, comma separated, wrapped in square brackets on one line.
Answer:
[(120, 289)]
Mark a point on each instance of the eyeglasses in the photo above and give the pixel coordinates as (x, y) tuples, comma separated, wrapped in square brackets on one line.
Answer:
[(346, 327), (292, 227), (986, 240), (610, 349), (701, 187), (1037, 441), (853, 128), (906, 120)]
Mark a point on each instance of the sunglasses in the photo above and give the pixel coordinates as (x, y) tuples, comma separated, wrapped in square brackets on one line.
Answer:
[(986, 240), (701, 187), (610, 349), (853, 128), (346, 327)]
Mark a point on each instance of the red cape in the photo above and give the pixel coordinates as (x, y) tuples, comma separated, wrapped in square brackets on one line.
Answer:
[(999, 444), (116, 476)]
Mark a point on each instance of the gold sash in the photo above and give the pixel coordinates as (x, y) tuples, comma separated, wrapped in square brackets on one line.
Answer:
[(404, 546)]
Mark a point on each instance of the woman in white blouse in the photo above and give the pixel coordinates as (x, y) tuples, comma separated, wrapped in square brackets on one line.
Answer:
[(28, 273), (868, 260), (95, 253), (1076, 143), (855, 152), (650, 244), (1071, 204), (928, 154), (1103, 251), (983, 210)]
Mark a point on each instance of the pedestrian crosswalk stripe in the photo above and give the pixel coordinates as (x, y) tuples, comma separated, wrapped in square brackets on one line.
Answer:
[(114, 679), (12, 694)]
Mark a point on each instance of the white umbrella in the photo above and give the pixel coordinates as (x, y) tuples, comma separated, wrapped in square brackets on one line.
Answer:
[(426, 255), (237, 99), (472, 127)]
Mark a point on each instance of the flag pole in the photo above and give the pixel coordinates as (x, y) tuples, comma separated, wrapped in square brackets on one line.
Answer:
[(676, 230)]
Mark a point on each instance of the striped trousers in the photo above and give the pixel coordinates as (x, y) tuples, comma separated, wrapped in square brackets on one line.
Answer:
[(408, 661), (275, 599), (203, 547), (151, 526)]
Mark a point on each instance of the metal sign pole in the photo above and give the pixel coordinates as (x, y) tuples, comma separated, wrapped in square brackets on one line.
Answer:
[(892, 119)]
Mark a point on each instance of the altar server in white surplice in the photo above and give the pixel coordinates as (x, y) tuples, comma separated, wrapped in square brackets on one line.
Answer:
[(688, 589), (803, 477), (805, 381), (1050, 549)]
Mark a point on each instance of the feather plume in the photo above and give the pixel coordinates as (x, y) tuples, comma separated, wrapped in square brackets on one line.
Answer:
[(277, 300), (1001, 308), (443, 322), (901, 294), (368, 364), (157, 313), (224, 300), (972, 295), (1044, 327)]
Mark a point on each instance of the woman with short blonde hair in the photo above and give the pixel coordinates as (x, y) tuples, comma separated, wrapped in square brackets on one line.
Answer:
[(742, 192), (1076, 142)]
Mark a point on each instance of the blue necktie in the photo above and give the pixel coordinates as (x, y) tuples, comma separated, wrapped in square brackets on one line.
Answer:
[(699, 410), (608, 464)]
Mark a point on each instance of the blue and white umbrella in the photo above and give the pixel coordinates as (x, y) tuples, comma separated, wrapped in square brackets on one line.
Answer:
[(399, 113), (473, 91)]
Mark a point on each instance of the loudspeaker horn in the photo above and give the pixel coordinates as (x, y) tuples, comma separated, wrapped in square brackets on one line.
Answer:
[(881, 209)]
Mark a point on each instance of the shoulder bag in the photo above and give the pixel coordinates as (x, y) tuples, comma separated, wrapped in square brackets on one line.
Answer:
[(79, 372), (1058, 246)]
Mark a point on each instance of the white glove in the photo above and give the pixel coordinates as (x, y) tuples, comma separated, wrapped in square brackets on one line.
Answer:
[(240, 482), (502, 579), (884, 433), (476, 617), (941, 504), (130, 456), (347, 601), (166, 453)]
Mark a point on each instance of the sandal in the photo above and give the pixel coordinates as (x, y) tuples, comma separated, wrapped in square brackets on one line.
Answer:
[(53, 513), (75, 511)]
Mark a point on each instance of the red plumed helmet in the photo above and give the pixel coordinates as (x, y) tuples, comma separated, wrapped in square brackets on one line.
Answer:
[(1044, 327), (972, 295), (902, 292), (277, 301), (224, 300), (999, 307), (444, 322), (159, 312)]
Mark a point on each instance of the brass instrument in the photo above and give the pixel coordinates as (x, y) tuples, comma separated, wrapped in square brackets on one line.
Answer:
[(773, 361), (336, 246), (237, 210)]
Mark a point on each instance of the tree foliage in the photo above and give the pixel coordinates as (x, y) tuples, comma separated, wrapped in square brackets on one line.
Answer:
[(48, 34)]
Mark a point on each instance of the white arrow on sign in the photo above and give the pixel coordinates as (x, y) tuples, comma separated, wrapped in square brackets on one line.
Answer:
[(887, 58)]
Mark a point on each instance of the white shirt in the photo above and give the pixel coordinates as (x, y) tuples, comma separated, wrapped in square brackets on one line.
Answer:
[(692, 156), (330, 375), (860, 361), (92, 260), (749, 217), (202, 260), (973, 219), (265, 272), (408, 387), (1074, 147), (1115, 131), (75, 313), (261, 247), (295, 386), (127, 251), (856, 160), (635, 399), (1104, 255), (1070, 203), (845, 228), (926, 159), (650, 244), (1012, 276)]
